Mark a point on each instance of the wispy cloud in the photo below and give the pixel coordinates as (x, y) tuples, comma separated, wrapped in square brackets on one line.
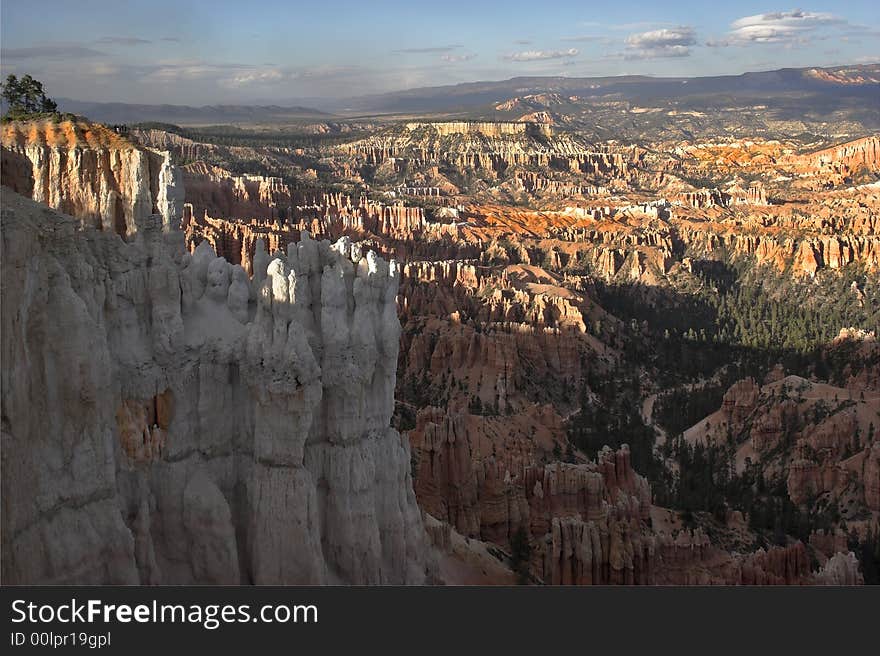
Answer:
[(585, 38), (785, 27), (455, 59), (523, 42), (104, 69), (537, 55), (254, 78), (639, 25), (121, 41), (180, 73), (429, 50), (853, 29), (237, 76), (170, 39), (666, 42), (50, 52), (593, 26)]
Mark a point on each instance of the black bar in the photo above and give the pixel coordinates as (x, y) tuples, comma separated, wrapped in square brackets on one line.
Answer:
[(461, 619)]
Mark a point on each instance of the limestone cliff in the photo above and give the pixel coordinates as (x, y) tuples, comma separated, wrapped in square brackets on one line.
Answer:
[(90, 172), (329, 215), (167, 419), (844, 158), (489, 149)]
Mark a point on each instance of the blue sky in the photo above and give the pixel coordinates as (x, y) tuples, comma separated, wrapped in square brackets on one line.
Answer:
[(199, 52)]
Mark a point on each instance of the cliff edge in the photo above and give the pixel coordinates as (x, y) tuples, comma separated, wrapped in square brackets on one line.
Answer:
[(168, 419)]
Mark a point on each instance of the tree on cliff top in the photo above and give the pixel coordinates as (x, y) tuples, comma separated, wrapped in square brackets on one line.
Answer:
[(26, 98)]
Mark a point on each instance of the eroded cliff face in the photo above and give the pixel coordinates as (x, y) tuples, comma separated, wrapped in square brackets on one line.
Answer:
[(90, 172), (598, 222), (815, 440), (591, 522), (250, 395), (585, 521), (489, 149), (168, 419), (842, 160), (328, 215)]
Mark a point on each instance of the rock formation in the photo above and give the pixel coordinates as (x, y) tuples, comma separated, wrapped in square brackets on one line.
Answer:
[(236, 239), (90, 172), (843, 159), (816, 438), (739, 401), (169, 420), (227, 388), (841, 569), (486, 129), (490, 149), (585, 520)]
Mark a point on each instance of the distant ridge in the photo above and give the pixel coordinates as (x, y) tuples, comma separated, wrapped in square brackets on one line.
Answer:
[(859, 81), (117, 112)]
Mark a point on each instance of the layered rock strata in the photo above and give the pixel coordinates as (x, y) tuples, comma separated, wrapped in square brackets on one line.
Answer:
[(90, 172)]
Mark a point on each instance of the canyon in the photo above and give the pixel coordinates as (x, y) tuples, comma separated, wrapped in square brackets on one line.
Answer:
[(217, 376), (208, 426)]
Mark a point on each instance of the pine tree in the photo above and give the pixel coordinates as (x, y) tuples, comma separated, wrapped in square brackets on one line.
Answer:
[(25, 97)]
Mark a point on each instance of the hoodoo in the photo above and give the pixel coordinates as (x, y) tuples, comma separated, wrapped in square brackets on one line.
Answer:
[(169, 419)]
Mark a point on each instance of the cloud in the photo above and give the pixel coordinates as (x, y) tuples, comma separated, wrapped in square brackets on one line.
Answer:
[(104, 69), (50, 52), (197, 82), (666, 42), (234, 76), (170, 39), (523, 42), (853, 29), (584, 38), (658, 53), (121, 41), (638, 25), (254, 78), (785, 27), (536, 55), (421, 51), (171, 71), (454, 59), (327, 72)]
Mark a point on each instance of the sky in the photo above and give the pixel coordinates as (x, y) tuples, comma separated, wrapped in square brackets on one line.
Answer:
[(193, 52)]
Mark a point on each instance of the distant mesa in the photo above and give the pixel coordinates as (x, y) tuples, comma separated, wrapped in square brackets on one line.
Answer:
[(486, 129), (117, 112)]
